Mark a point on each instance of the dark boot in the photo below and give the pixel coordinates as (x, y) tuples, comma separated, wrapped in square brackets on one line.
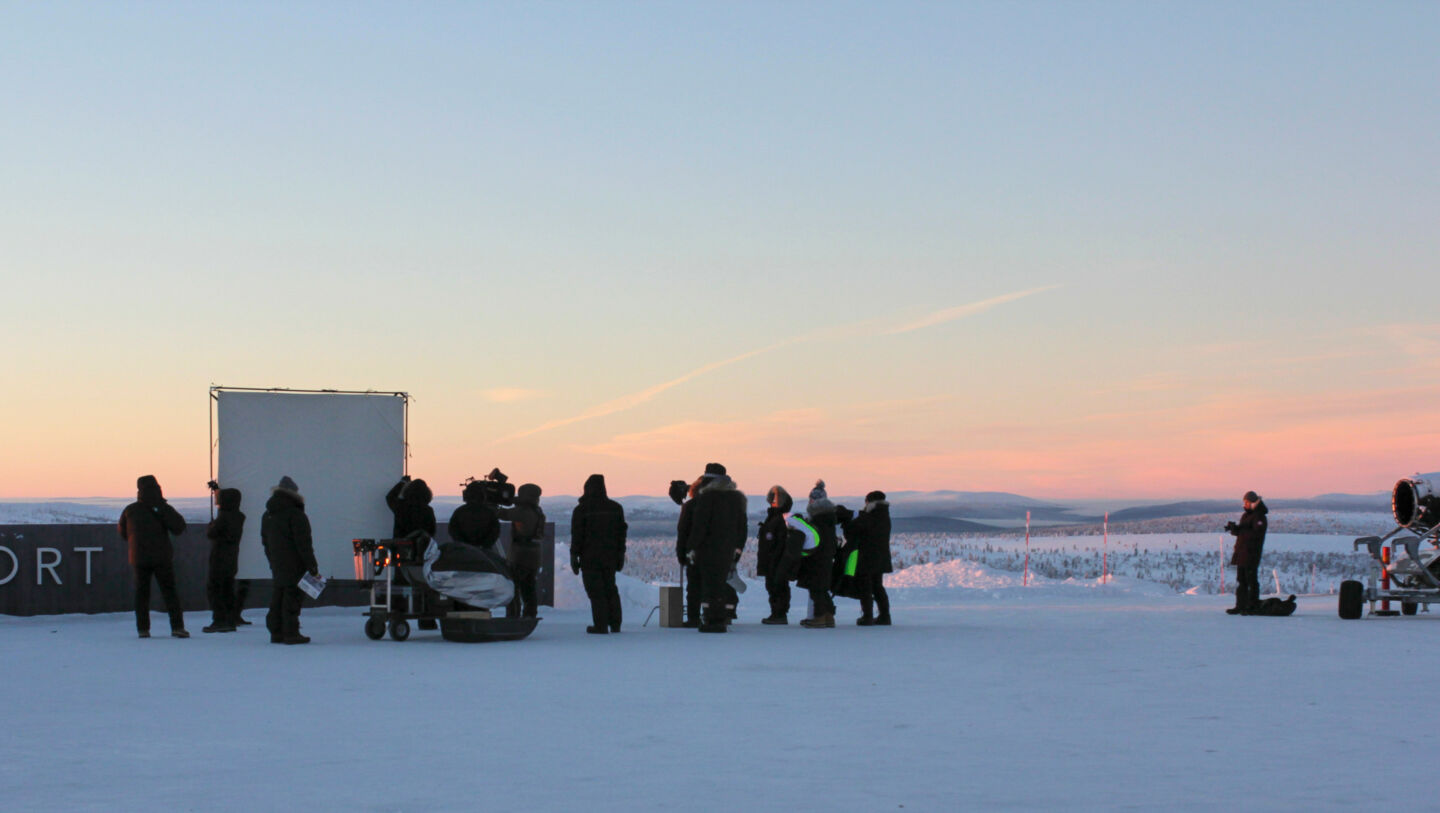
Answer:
[(882, 620), (865, 621), (296, 639), (597, 630), (774, 618)]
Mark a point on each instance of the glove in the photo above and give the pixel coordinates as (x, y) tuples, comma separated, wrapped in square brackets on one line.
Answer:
[(738, 553), (683, 561), (575, 566), (843, 514), (1230, 526), (622, 563)]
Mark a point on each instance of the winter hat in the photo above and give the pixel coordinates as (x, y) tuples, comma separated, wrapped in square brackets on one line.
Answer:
[(678, 490), (528, 494), (714, 470), (1251, 496), (286, 484), (819, 501), (147, 489), (875, 496)]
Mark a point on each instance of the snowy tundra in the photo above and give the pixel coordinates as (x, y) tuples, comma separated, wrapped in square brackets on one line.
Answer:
[(984, 695)]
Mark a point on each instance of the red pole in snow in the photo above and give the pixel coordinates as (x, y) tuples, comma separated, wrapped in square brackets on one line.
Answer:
[(1105, 557), (1385, 576), (1026, 582)]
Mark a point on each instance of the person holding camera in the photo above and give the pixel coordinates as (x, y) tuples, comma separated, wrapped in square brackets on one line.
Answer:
[(475, 522), (146, 525), (1249, 535), (718, 528), (597, 548), (527, 528), (285, 533), (770, 548), (224, 534)]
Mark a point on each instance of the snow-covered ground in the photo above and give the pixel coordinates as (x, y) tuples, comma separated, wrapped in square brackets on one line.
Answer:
[(984, 695)]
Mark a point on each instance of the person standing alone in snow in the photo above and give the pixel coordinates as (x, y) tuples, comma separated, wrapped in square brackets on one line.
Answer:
[(1249, 544), (597, 547), (146, 525)]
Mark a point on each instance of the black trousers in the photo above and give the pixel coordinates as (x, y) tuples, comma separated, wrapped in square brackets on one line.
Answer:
[(523, 605), (779, 589), (1247, 586), (873, 593), (604, 597), (283, 620), (164, 575), (220, 586), (819, 581), (692, 593), (716, 592)]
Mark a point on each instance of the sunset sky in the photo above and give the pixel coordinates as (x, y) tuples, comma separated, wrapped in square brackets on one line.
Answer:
[(1084, 250)]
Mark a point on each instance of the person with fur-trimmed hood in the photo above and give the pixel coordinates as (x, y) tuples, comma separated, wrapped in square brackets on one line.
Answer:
[(409, 500), (718, 528), (770, 548), (597, 547), (816, 570), (683, 494), (475, 522), (527, 528), (870, 532), (224, 534), (146, 525), (1249, 545), (285, 533)]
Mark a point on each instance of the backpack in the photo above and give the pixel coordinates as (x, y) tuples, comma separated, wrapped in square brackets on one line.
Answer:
[(1275, 606)]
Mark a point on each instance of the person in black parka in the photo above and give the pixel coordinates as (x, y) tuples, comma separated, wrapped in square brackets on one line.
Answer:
[(224, 534), (870, 531), (597, 548), (527, 528), (1249, 545), (817, 570), (409, 502), (285, 533), (146, 525), (769, 550), (684, 496), (475, 522), (718, 528)]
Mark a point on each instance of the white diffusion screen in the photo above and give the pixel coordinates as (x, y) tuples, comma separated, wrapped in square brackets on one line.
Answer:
[(345, 451)]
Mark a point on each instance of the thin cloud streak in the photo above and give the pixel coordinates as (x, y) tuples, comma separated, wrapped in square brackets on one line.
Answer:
[(962, 311), (635, 399)]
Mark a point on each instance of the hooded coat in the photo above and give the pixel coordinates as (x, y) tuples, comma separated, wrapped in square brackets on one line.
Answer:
[(718, 525), (475, 522), (527, 527), (409, 501), (285, 532), (147, 524), (224, 532), (815, 568), (1250, 535), (771, 536), (870, 531), (597, 529)]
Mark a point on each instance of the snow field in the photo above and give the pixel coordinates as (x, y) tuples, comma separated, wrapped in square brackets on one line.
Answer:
[(1067, 695)]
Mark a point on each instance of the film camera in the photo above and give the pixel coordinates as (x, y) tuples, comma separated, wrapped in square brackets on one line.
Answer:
[(497, 488)]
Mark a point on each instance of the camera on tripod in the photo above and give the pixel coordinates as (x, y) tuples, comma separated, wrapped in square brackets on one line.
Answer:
[(496, 486)]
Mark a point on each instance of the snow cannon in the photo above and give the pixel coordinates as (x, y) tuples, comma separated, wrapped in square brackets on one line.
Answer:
[(1416, 501), (1404, 563)]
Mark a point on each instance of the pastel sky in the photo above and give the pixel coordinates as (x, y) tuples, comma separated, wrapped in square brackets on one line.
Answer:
[(1076, 249)]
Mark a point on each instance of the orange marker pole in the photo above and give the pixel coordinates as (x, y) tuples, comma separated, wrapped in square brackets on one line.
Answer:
[(1026, 581)]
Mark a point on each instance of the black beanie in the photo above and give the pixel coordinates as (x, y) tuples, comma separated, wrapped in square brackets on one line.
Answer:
[(715, 468)]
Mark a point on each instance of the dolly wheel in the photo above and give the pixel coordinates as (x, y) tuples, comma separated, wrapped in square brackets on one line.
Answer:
[(1409, 607), (374, 628), (1352, 599), (399, 629)]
